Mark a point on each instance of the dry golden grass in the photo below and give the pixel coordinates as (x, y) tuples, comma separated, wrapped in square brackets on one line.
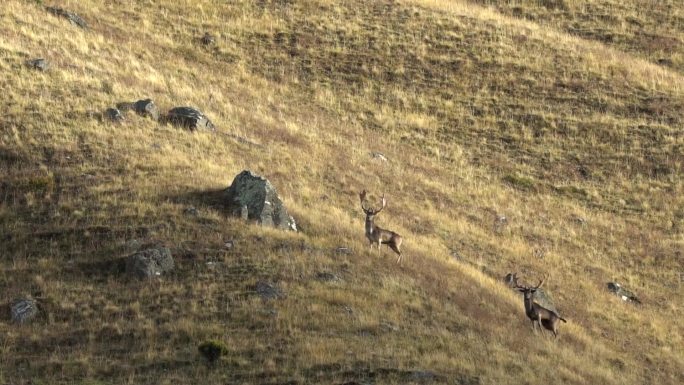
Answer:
[(481, 114)]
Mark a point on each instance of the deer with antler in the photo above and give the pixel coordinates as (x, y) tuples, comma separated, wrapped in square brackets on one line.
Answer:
[(375, 234), (538, 314)]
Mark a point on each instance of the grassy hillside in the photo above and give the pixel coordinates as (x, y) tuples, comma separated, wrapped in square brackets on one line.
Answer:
[(483, 112)]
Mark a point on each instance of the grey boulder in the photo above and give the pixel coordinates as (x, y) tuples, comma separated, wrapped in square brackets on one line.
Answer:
[(190, 118), (38, 64), (253, 197), (150, 263), (146, 107), (23, 310), (114, 114), (72, 17)]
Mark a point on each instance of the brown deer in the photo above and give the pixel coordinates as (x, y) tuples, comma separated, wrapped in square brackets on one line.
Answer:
[(375, 234), (537, 313)]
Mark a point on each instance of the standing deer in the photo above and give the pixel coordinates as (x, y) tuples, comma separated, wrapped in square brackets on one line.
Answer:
[(375, 234), (538, 314)]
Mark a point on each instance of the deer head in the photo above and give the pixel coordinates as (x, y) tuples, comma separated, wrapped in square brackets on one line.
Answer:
[(369, 210)]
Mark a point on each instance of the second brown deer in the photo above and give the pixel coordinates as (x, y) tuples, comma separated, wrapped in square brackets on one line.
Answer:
[(537, 313), (377, 235)]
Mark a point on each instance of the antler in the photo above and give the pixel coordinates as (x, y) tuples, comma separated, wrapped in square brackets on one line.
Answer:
[(362, 195), (384, 203), (540, 283)]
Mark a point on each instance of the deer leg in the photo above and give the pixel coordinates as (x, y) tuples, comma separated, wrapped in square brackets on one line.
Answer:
[(399, 259)]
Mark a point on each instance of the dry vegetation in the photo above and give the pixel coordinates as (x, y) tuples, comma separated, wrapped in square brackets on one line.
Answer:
[(525, 109)]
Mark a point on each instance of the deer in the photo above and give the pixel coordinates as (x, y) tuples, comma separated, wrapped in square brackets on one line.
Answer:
[(377, 235), (537, 313)]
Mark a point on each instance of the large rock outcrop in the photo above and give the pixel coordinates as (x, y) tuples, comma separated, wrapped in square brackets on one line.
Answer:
[(253, 197)]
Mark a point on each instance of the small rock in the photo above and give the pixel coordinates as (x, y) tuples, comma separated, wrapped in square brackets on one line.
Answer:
[(388, 326), (190, 118), (379, 156), (150, 262), (326, 276), (343, 251), (623, 293), (581, 221), (24, 310), (423, 375), (71, 16), (114, 114), (146, 107), (268, 290), (208, 39), (456, 255), (38, 64), (191, 211), (229, 244)]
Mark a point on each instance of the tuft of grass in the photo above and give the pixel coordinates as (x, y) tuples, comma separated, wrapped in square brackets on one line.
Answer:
[(212, 350)]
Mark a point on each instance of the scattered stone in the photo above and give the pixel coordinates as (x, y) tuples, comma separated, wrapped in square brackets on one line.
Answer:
[(500, 223), (71, 16), (268, 290), (191, 211), (581, 221), (389, 327), (38, 64), (208, 39), (150, 262), (343, 251), (114, 114), (326, 276), (190, 118), (24, 310), (253, 197), (423, 375), (229, 244), (146, 107), (623, 293), (379, 156), (456, 255)]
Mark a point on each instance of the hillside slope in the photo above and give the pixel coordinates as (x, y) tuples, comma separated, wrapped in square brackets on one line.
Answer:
[(578, 143)]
